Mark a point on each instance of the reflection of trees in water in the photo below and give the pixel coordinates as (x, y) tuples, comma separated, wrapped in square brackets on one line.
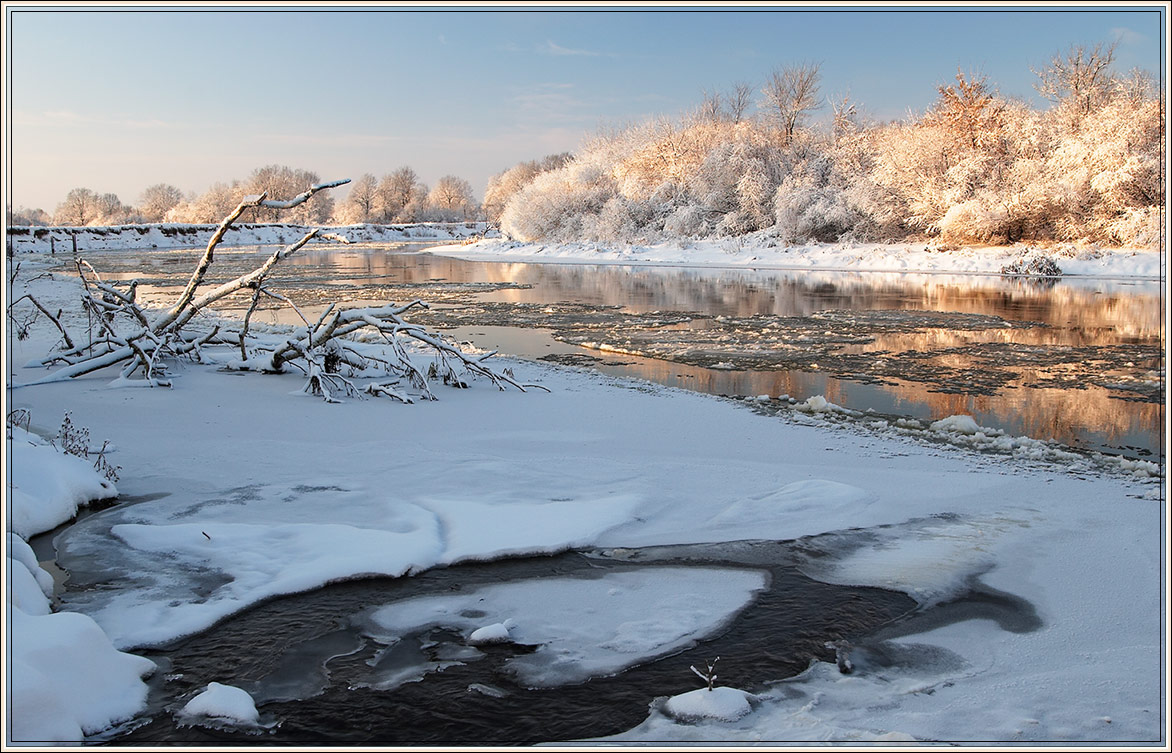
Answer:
[(1076, 317)]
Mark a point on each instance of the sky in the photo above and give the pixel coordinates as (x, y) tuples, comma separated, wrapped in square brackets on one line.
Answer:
[(118, 99)]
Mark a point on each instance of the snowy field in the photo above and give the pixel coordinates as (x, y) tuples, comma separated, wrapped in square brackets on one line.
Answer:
[(247, 488)]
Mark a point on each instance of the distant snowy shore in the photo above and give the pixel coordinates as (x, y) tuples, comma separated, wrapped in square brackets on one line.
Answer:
[(760, 251), (756, 251), (170, 235)]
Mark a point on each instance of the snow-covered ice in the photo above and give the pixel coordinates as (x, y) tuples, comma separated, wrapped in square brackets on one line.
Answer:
[(585, 628), (244, 490)]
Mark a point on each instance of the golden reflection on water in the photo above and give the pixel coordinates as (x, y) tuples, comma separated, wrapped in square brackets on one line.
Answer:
[(1073, 315)]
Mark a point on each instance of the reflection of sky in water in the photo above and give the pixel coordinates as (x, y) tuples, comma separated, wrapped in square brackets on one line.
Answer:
[(1075, 313)]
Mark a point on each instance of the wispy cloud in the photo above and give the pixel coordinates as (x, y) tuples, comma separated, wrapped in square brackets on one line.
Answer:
[(70, 118), (1125, 36), (549, 102), (552, 48), (333, 141)]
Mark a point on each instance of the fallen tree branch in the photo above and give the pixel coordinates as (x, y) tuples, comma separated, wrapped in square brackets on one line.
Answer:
[(326, 351)]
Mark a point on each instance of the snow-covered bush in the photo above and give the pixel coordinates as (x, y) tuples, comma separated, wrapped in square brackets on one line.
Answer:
[(1033, 263)]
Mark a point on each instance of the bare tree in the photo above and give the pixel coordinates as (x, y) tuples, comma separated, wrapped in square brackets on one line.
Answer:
[(711, 109), (1080, 77), (123, 332), (791, 93), (738, 99)]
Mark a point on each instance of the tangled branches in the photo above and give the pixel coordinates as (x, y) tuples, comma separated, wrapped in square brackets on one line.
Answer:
[(145, 341)]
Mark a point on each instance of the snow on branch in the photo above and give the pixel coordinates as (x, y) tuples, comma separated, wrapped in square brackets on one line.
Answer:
[(329, 352)]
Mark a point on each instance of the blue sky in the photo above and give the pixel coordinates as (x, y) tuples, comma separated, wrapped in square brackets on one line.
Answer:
[(117, 100)]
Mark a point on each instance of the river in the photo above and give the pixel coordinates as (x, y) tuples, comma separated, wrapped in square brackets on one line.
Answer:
[(1075, 362)]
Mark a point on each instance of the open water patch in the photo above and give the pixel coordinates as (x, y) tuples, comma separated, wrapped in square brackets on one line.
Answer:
[(324, 671)]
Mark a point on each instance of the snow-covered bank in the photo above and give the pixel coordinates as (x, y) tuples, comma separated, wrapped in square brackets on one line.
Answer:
[(267, 490), (65, 679), (61, 240), (759, 251)]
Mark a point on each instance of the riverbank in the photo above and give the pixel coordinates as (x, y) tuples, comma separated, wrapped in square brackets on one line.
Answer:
[(760, 251), (65, 240), (269, 490)]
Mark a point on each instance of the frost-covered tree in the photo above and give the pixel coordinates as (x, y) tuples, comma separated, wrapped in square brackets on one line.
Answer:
[(157, 200), (280, 180), (400, 195), (25, 216), (362, 201), (79, 208), (504, 185), (452, 196), (214, 203)]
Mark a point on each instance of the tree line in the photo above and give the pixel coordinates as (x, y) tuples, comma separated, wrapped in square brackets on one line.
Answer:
[(976, 167), (399, 196)]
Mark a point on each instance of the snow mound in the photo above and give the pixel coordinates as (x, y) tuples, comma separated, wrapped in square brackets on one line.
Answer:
[(498, 632), (47, 486), (956, 425), (223, 702), (66, 679), (722, 704)]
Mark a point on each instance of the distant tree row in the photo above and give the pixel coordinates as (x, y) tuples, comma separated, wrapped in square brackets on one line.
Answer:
[(398, 197), (977, 167)]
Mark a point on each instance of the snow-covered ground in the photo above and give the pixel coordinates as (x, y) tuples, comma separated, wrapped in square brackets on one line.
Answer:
[(267, 490), (60, 240), (759, 251)]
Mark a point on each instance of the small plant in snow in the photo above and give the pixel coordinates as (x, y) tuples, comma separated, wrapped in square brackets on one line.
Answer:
[(708, 675), (75, 440), (20, 417)]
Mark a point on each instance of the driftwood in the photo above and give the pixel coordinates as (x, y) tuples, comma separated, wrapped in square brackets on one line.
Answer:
[(145, 341)]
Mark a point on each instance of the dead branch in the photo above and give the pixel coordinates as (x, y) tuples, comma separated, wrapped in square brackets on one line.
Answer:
[(327, 351)]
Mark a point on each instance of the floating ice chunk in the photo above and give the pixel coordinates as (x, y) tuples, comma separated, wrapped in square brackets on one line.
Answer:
[(722, 704), (223, 702)]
